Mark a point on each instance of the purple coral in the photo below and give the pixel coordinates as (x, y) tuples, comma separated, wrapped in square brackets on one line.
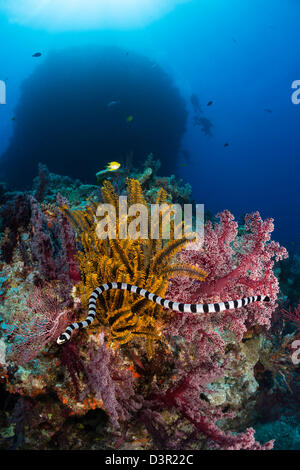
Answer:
[(15, 215), (42, 245), (293, 315), (43, 181), (69, 248), (70, 358), (53, 247), (110, 382)]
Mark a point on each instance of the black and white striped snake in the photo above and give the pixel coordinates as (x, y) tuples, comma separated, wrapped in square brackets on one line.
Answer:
[(177, 307)]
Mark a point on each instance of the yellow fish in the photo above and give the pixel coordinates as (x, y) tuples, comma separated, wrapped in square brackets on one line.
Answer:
[(111, 166), (129, 118)]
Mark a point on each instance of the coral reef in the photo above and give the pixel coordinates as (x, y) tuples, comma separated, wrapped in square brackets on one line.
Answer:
[(142, 376), (238, 265), (142, 261)]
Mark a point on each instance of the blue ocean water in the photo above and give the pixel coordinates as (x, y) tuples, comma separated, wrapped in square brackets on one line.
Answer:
[(233, 64), (242, 56)]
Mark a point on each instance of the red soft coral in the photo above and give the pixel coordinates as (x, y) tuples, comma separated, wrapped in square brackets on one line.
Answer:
[(188, 398)]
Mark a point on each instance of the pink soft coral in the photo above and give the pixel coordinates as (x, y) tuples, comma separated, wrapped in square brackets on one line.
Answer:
[(238, 265)]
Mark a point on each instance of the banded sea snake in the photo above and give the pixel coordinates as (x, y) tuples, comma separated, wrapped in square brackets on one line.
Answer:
[(177, 307)]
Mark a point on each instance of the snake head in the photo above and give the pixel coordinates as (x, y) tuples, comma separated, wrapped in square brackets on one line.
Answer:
[(62, 339)]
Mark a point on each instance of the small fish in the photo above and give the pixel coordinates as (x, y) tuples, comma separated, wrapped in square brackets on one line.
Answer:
[(137, 360), (267, 110), (129, 118), (111, 166), (37, 54), (209, 103), (226, 144), (111, 104), (13, 118)]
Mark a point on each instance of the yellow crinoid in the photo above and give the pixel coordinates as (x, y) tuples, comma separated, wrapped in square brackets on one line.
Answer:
[(144, 262)]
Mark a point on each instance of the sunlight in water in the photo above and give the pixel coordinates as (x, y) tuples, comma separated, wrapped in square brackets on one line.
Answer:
[(86, 14)]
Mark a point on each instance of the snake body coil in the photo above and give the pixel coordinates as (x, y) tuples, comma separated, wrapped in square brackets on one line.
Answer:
[(178, 307)]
